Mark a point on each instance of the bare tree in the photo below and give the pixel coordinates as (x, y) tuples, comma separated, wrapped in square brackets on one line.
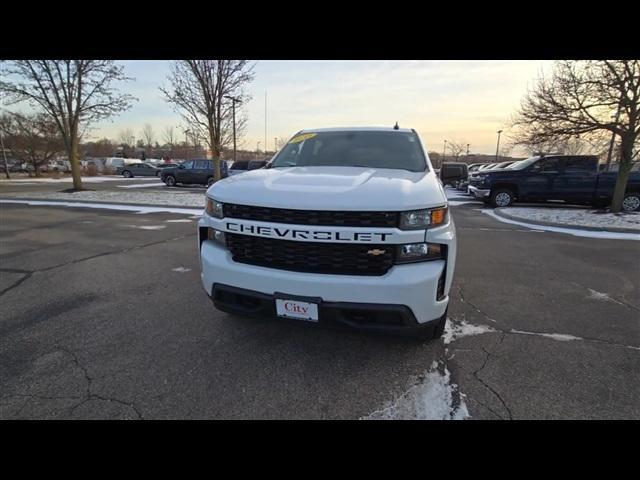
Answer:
[(148, 135), (127, 137), (33, 139), (457, 148), (169, 136), (100, 148), (199, 91), (582, 98), (74, 93)]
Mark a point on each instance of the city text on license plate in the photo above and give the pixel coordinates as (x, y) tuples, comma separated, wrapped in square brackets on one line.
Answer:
[(297, 309)]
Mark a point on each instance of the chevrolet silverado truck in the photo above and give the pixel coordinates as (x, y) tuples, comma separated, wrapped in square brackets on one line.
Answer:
[(344, 226), (574, 179)]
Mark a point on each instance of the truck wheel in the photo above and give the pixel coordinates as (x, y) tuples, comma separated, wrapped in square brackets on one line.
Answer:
[(631, 202), (209, 181), (127, 174), (170, 181), (503, 197)]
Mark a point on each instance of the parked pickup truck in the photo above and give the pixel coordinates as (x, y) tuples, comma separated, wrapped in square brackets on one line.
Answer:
[(345, 225), (572, 178)]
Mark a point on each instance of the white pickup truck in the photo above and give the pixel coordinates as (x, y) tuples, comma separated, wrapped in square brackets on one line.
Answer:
[(344, 226)]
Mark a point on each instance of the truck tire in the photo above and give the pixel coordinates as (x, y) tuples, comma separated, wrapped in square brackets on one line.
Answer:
[(502, 197), (170, 181), (631, 202)]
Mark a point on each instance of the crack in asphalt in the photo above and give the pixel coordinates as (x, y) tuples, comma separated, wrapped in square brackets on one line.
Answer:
[(488, 387), (501, 328), (474, 305), (90, 395), (30, 273), (17, 283)]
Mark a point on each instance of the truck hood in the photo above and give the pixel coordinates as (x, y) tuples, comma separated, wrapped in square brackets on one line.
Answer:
[(332, 188)]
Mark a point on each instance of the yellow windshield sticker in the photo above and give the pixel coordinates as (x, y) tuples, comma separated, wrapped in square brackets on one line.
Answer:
[(302, 138)]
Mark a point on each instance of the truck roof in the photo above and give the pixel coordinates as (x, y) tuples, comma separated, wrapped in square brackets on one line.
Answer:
[(354, 129)]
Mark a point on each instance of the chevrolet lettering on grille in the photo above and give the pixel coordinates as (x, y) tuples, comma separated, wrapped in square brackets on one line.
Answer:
[(308, 234)]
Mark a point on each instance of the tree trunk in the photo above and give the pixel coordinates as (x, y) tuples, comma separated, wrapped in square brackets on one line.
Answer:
[(75, 161), (215, 153), (626, 152)]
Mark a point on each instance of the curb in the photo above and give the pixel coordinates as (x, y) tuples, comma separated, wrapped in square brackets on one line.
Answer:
[(99, 202), (501, 213)]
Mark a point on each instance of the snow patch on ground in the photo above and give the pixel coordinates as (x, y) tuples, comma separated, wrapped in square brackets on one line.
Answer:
[(431, 398), (146, 198), (101, 179), (577, 217), (455, 203), (140, 209), (602, 297), (561, 337), (179, 220), (181, 270), (143, 185), (569, 231), (147, 227), (456, 330)]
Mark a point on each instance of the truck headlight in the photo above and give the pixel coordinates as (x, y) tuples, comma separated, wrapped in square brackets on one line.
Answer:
[(419, 252), (419, 219), (214, 208)]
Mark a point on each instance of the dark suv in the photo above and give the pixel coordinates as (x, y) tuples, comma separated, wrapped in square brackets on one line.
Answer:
[(198, 171), (241, 166)]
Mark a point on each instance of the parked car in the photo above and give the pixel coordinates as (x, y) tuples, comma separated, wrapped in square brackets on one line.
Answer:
[(241, 166), (13, 165), (570, 178), (59, 166), (345, 225), (474, 167), (137, 170), (453, 172), (199, 171)]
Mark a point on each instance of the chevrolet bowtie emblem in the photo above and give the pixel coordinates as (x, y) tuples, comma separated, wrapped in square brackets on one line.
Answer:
[(376, 251)]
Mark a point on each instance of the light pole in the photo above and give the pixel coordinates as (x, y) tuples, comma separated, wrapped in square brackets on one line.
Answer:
[(468, 149), (444, 150), (275, 144), (498, 145), (257, 148), (233, 108)]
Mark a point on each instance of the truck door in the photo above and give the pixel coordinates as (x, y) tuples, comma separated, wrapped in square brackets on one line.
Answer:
[(540, 179), (577, 181)]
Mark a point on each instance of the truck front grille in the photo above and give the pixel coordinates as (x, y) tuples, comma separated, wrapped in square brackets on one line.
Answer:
[(312, 217), (311, 257)]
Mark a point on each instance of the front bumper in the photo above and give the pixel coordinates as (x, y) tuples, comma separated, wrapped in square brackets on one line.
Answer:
[(479, 192), (422, 288), (390, 319)]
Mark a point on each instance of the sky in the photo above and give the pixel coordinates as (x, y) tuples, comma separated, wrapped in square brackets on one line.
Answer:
[(443, 100)]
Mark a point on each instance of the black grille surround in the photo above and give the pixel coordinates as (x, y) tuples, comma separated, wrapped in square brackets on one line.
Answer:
[(311, 257), (327, 218)]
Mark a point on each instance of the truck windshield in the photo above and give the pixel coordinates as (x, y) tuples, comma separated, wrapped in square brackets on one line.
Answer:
[(371, 149), (522, 164)]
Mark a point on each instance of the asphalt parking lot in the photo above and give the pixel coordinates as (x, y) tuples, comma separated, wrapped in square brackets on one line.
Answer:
[(103, 317)]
